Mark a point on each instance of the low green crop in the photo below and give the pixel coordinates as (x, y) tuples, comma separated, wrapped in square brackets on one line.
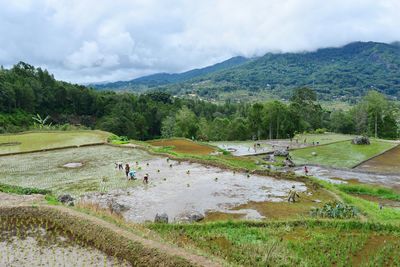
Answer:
[(336, 210)]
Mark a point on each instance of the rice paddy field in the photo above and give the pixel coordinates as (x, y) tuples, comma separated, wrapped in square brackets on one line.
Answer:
[(94, 169), (248, 221), (244, 148), (290, 244), (35, 242), (183, 146), (341, 154), (31, 141), (388, 162)]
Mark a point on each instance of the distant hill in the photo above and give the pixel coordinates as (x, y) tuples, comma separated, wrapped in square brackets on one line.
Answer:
[(168, 78), (335, 73)]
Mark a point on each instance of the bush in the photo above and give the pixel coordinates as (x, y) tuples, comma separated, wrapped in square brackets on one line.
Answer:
[(320, 131), (336, 210), (119, 140)]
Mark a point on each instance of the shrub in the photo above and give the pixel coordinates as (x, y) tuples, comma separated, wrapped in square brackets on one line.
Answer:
[(119, 140), (335, 210)]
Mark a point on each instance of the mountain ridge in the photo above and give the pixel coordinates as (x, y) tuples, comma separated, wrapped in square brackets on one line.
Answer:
[(340, 72)]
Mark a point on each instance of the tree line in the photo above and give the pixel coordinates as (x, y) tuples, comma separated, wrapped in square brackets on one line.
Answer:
[(26, 91)]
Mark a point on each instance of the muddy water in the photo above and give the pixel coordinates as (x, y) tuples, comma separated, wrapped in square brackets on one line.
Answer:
[(329, 174), (32, 245), (186, 187), (388, 162)]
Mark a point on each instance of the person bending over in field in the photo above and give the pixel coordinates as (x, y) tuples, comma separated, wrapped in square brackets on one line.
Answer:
[(146, 178), (292, 195), (132, 175), (127, 169)]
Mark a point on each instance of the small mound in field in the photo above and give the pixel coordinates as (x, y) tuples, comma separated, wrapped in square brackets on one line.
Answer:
[(73, 165), (184, 146)]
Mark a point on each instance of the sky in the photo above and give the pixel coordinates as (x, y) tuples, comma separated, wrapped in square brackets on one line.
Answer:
[(86, 41)]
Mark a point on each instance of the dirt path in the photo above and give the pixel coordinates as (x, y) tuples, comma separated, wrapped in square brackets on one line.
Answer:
[(19, 200)]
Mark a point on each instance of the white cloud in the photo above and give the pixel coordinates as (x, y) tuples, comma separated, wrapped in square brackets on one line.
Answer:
[(97, 40)]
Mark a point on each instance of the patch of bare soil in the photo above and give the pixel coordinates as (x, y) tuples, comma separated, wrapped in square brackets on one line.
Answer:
[(184, 146), (19, 200)]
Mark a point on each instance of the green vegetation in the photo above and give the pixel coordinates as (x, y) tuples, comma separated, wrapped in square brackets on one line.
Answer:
[(342, 154), (14, 189), (292, 243), (335, 210), (322, 138), (31, 141), (35, 100), (335, 73), (118, 140), (376, 191)]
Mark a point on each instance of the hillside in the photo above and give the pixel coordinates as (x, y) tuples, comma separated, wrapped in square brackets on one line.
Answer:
[(334, 73), (168, 78)]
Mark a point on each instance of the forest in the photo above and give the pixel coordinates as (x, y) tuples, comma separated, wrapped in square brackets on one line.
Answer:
[(28, 93)]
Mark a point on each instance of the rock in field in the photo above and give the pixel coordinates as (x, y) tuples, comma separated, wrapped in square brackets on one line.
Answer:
[(115, 207), (189, 217), (161, 218), (360, 140), (66, 199), (281, 153)]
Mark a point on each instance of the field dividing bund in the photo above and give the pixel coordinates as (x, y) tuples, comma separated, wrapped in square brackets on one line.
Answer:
[(119, 247)]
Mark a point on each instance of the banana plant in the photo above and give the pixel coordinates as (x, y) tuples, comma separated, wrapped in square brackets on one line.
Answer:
[(40, 122)]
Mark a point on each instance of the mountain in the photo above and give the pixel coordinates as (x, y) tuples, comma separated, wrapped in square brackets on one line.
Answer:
[(168, 78), (334, 73)]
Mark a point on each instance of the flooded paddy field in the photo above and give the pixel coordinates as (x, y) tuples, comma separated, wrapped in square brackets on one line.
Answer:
[(245, 148), (74, 171), (180, 188), (174, 187), (354, 175), (388, 162), (32, 242)]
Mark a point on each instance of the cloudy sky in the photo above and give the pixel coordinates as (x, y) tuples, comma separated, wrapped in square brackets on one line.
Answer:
[(107, 40)]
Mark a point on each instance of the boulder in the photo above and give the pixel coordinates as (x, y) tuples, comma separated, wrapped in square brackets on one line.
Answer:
[(281, 153), (115, 207), (66, 199), (190, 217), (161, 218), (360, 140), (314, 153)]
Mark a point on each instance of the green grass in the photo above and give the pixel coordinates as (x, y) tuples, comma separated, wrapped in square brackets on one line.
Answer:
[(342, 154), (325, 138), (13, 189), (31, 141), (293, 243), (376, 191)]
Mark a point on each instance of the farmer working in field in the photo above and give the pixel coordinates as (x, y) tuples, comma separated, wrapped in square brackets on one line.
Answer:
[(132, 174), (146, 178), (292, 195), (127, 169)]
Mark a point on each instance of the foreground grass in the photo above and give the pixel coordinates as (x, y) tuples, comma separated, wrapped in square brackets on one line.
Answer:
[(342, 154), (375, 191), (292, 243), (31, 141)]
